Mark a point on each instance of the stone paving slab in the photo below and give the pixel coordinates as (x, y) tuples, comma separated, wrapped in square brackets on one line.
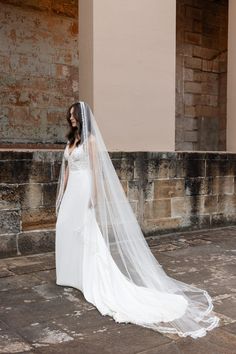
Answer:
[(38, 316)]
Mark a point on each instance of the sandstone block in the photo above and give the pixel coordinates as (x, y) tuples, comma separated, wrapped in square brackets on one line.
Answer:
[(178, 207), (158, 168), (189, 111), (188, 74), (30, 195), (210, 100), (125, 187), (151, 226), (40, 218), (210, 204), (9, 221), (197, 26), (48, 194), (124, 168), (198, 185), (194, 38), (223, 185), (191, 136), (207, 111), (168, 188), (9, 198), (157, 208), (193, 63), (217, 168), (13, 171), (193, 12), (36, 241), (193, 87), (133, 188), (188, 168), (227, 204), (209, 88), (8, 245), (204, 53)]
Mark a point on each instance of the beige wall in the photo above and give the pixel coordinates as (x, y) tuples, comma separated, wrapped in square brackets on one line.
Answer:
[(86, 51), (231, 86), (127, 71)]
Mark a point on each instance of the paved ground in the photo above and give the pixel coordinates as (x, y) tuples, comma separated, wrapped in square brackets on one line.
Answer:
[(38, 316)]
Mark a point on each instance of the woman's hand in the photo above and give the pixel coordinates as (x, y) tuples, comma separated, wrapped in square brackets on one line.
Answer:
[(91, 203), (66, 178)]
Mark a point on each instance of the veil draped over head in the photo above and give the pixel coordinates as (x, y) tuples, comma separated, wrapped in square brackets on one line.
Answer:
[(125, 240)]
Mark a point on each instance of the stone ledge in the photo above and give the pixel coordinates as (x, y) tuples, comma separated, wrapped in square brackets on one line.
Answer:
[(168, 191)]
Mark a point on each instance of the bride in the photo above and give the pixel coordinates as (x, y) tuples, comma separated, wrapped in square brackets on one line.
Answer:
[(101, 250)]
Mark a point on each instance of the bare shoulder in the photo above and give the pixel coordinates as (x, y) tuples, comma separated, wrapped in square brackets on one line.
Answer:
[(92, 138)]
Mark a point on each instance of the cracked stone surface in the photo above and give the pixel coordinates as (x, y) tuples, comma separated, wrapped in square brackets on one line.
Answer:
[(38, 316)]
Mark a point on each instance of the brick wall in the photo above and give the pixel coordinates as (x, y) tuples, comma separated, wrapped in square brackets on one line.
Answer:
[(167, 191), (201, 69), (38, 69)]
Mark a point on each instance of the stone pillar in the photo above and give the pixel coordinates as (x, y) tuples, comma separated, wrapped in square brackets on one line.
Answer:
[(127, 71), (201, 73), (231, 85)]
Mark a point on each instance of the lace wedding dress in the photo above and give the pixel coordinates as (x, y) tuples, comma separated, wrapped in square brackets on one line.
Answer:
[(116, 271)]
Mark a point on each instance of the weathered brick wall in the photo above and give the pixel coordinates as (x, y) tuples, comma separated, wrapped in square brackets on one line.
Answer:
[(38, 69), (201, 69), (167, 191)]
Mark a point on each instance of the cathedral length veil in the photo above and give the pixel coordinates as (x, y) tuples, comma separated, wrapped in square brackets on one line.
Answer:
[(127, 245)]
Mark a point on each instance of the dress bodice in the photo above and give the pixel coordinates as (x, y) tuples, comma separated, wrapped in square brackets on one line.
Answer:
[(77, 159)]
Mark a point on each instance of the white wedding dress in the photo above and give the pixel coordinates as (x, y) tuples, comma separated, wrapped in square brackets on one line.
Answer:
[(84, 262)]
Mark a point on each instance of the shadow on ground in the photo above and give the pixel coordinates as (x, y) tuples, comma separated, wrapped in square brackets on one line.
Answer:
[(38, 316)]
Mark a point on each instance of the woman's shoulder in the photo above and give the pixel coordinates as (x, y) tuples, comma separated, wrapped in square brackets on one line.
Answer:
[(67, 146), (92, 138)]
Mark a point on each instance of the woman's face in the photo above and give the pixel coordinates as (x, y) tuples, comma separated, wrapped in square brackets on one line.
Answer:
[(72, 118)]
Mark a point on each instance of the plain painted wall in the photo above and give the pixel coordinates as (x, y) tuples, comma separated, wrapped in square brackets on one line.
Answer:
[(231, 80), (127, 71)]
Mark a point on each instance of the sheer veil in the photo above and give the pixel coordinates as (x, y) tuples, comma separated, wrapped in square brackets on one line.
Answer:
[(126, 242)]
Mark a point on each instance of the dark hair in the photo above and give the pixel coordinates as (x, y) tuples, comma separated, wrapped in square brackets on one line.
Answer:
[(78, 129)]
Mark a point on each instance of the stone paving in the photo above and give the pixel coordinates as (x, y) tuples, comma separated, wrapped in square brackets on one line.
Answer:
[(38, 316)]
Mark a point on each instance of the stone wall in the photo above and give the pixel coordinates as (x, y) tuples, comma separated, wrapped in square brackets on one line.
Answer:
[(167, 191), (201, 73), (38, 69)]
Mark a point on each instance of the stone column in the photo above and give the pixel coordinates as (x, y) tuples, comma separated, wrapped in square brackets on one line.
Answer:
[(231, 84), (127, 71)]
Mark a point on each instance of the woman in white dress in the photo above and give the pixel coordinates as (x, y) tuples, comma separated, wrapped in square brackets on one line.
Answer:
[(100, 247)]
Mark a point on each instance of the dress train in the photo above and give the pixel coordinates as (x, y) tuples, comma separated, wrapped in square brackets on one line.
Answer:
[(83, 261)]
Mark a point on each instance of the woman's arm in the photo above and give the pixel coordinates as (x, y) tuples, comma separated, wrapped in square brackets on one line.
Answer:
[(93, 159), (66, 177)]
